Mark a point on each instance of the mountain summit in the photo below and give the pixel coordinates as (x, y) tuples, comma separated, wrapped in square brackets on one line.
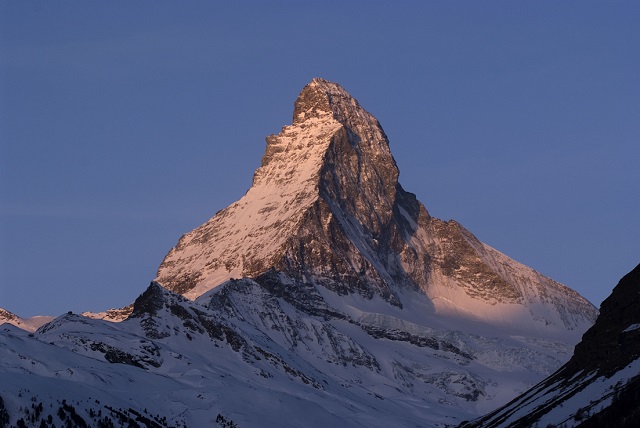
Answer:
[(331, 170), (326, 208)]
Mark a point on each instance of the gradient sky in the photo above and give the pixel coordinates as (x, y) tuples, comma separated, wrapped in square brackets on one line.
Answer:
[(125, 124)]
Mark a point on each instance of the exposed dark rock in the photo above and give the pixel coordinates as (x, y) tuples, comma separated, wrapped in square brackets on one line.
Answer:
[(421, 341), (302, 296), (610, 345), (115, 355), (150, 301), (7, 316)]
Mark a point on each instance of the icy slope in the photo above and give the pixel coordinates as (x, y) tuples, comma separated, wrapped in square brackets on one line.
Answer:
[(295, 355), (600, 385)]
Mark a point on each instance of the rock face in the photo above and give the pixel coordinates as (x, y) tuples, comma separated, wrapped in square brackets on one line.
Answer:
[(600, 385), (614, 341), (331, 170), (326, 208)]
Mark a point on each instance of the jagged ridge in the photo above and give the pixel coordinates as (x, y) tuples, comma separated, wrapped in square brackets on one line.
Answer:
[(350, 306)]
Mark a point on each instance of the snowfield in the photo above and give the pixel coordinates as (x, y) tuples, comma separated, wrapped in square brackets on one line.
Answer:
[(188, 362)]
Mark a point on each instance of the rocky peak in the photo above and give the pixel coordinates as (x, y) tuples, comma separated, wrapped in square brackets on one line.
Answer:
[(332, 165), (314, 100), (152, 300), (325, 112), (321, 98), (358, 172)]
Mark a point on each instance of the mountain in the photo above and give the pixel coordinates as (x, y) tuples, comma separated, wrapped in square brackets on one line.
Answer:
[(327, 295), (28, 324), (600, 385), (326, 210)]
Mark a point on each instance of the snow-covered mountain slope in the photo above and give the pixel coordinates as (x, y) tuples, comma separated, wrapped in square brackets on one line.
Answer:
[(28, 324), (296, 356), (600, 385), (326, 208), (327, 295)]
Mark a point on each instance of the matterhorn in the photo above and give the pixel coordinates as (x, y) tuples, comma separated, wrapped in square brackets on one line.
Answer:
[(326, 296), (326, 211)]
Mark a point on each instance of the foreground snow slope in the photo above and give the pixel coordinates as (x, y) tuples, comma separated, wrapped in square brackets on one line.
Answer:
[(296, 359)]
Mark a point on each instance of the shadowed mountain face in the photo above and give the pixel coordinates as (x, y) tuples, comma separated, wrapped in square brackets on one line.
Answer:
[(600, 385), (614, 341)]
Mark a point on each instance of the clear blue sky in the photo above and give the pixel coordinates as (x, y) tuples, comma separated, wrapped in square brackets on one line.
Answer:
[(125, 124)]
